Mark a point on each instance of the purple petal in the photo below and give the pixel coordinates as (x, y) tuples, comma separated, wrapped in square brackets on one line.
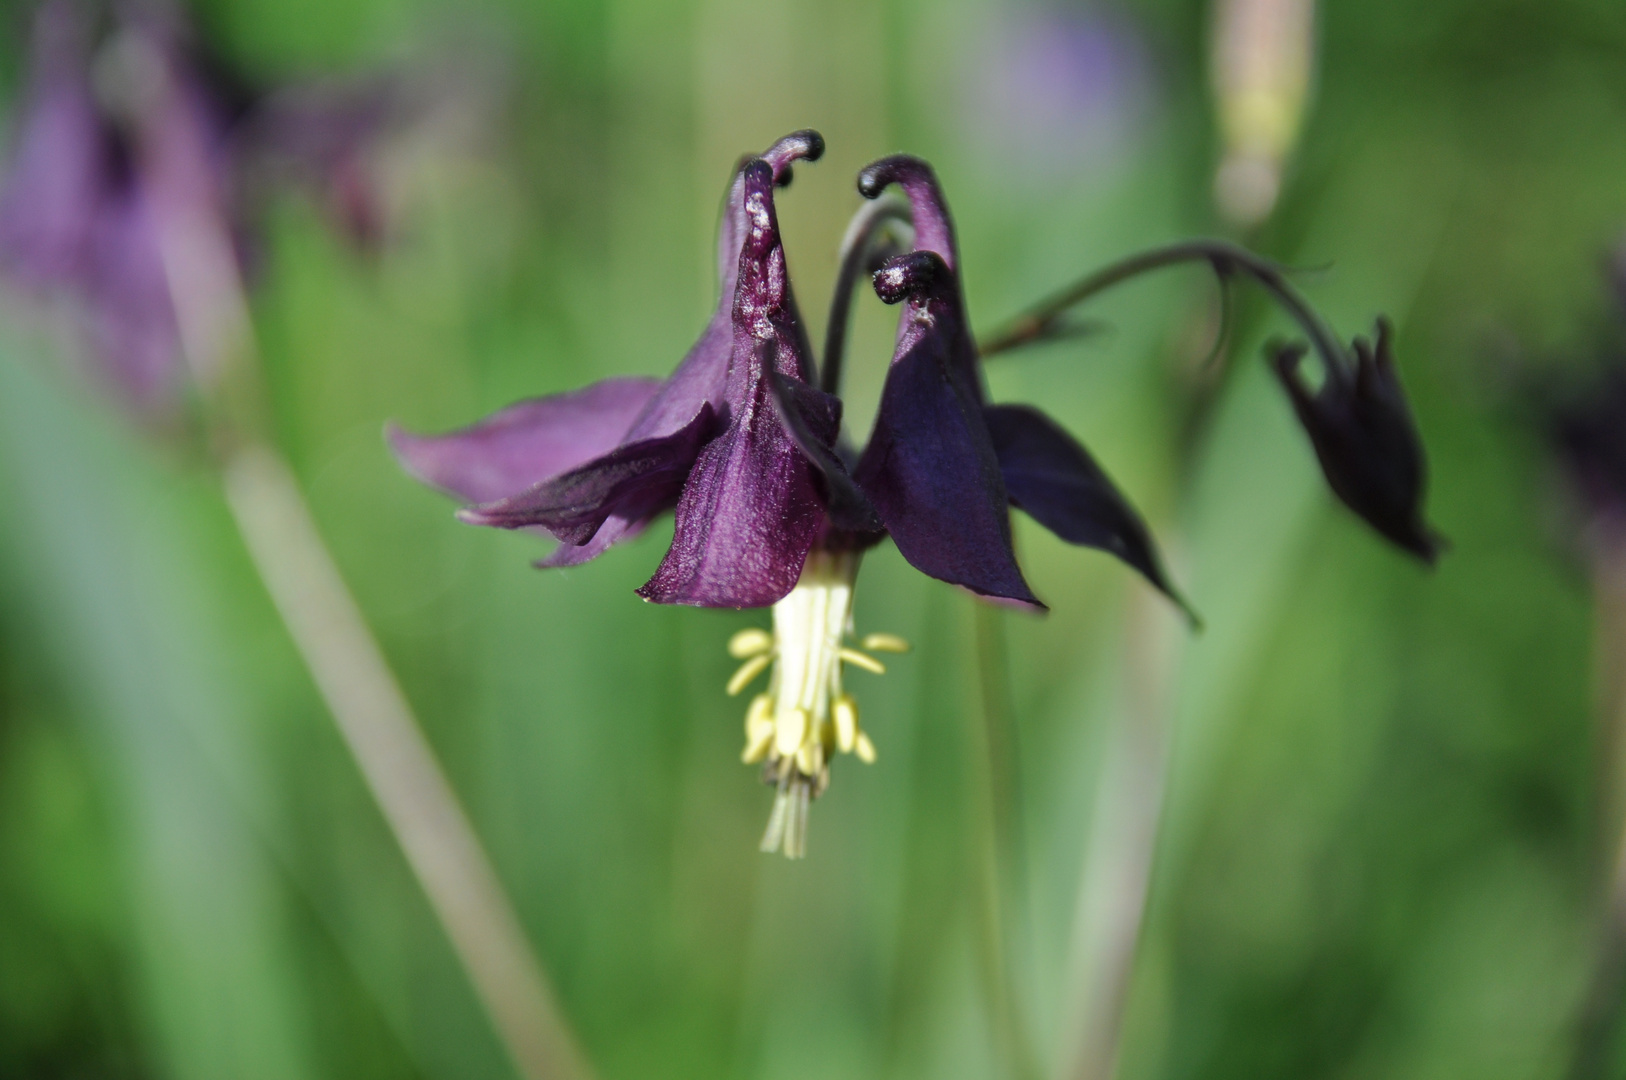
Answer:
[(1054, 479), (745, 522), (931, 472), (634, 481), (614, 530), (750, 510), (526, 443), (1366, 441)]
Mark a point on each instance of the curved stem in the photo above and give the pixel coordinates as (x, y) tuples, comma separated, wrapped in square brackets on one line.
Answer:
[(1226, 258), (870, 239), (1597, 1022)]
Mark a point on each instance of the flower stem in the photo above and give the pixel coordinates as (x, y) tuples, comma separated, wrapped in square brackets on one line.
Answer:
[(1039, 322), (1115, 883), (1000, 866), (323, 619), (1597, 1021)]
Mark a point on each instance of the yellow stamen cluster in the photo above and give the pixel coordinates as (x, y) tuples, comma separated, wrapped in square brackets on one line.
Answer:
[(805, 717)]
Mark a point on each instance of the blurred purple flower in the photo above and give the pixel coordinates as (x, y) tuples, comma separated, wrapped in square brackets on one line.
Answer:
[(123, 122), (1061, 90), (75, 215)]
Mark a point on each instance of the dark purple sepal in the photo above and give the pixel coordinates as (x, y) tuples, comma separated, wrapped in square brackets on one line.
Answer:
[(930, 468), (807, 413), (635, 480), (1366, 441), (1051, 477), (526, 443)]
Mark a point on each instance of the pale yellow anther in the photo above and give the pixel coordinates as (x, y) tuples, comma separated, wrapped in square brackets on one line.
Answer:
[(748, 671), (790, 729), (810, 758), (863, 660), (845, 714), (750, 643), (759, 714), (757, 742), (885, 643), (865, 749)]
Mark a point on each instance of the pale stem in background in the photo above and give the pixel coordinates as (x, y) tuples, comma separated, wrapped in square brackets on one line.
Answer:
[(1001, 870), (1598, 1019), (325, 623), (1115, 881), (1263, 56)]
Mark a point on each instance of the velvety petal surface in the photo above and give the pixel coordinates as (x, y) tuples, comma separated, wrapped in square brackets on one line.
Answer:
[(1054, 479), (526, 443), (745, 522)]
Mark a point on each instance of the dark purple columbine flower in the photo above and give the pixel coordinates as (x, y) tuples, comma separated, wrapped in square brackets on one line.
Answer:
[(1365, 438), (769, 509), (100, 166)]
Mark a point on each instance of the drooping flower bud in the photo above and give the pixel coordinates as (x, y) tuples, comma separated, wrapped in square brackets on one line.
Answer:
[(1365, 438)]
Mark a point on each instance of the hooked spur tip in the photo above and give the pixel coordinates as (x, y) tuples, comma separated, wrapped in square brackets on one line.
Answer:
[(896, 169), (905, 275), (804, 145)]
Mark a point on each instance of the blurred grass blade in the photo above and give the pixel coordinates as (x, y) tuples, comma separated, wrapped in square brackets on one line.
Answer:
[(399, 766)]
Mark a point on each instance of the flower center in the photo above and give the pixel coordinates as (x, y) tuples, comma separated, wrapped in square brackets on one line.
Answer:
[(805, 717)]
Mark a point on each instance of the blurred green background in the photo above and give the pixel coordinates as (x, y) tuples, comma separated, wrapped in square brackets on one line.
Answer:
[(1380, 845)]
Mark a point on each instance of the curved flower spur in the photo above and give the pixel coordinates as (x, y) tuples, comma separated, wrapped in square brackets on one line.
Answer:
[(770, 510)]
